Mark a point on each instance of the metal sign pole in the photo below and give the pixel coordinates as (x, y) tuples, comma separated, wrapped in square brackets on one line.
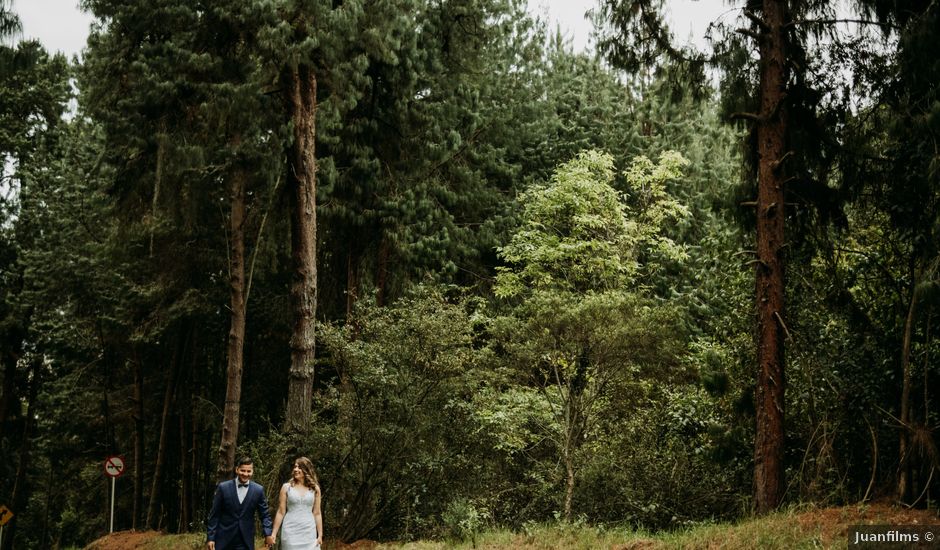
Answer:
[(113, 480), (113, 467)]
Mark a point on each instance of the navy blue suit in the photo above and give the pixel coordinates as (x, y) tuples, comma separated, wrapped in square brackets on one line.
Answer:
[(232, 524)]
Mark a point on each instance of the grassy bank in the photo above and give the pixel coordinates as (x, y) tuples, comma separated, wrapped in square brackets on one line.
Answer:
[(801, 527)]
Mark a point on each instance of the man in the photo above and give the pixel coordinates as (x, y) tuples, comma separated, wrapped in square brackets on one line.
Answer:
[(231, 524)]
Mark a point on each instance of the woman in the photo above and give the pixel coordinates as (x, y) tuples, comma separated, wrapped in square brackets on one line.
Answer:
[(299, 509)]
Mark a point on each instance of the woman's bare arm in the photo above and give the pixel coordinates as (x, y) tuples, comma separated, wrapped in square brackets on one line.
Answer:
[(281, 510)]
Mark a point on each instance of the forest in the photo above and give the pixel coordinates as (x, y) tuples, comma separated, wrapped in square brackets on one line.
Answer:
[(479, 278)]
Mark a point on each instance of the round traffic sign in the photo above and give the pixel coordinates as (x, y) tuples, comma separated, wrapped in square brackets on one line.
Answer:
[(114, 466)]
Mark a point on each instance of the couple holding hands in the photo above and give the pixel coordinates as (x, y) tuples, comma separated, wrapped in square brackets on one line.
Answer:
[(231, 524)]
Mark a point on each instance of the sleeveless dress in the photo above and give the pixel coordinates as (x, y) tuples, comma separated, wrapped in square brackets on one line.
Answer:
[(299, 529)]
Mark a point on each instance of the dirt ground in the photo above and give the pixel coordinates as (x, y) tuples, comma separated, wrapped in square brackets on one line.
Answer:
[(833, 523), (124, 540)]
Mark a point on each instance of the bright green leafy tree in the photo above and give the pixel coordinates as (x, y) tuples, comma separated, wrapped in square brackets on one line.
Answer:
[(584, 329)]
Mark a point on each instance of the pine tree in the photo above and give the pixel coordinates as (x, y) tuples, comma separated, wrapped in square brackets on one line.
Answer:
[(33, 94), (898, 166), (177, 91), (790, 154)]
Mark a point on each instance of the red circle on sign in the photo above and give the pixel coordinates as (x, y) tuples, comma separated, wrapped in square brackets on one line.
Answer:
[(114, 466)]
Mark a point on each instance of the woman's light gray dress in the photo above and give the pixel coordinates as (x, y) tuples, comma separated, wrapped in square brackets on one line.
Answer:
[(299, 529)]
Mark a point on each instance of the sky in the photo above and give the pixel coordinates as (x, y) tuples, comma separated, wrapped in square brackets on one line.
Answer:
[(688, 19), (58, 24), (61, 26)]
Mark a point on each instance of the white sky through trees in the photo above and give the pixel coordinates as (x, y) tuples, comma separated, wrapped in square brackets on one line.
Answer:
[(61, 26)]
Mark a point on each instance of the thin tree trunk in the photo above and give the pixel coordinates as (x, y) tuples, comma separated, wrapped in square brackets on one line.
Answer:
[(8, 395), (771, 148), (184, 401), (904, 472), (19, 497), (138, 442), (927, 343), (171, 377), (157, 181), (575, 424), (46, 539), (569, 483), (352, 282), (300, 85), (346, 404), (381, 276), (236, 334)]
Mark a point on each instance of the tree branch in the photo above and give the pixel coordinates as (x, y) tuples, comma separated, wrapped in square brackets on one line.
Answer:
[(757, 20), (776, 164), (749, 32), (753, 117), (783, 325), (834, 21)]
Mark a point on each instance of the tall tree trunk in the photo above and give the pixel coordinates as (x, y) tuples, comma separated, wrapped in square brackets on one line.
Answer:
[(352, 282), (46, 540), (236, 333), (569, 483), (138, 441), (184, 476), (904, 470), (771, 149), (185, 405), (8, 395), (171, 377), (381, 275), (575, 423), (19, 497), (300, 96), (157, 181)]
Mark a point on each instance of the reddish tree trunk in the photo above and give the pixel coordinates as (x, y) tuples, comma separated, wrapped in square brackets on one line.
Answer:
[(138, 404), (8, 393), (381, 277), (236, 333), (300, 98), (771, 148), (904, 470), (158, 469), (19, 497)]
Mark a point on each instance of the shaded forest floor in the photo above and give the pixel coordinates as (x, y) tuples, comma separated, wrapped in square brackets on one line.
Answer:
[(795, 528)]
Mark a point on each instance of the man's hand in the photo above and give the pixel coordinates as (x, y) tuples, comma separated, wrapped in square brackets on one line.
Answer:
[(269, 541), (211, 545)]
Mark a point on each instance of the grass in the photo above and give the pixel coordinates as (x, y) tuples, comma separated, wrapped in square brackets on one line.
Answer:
[(782, 530), (185, 541), (795, 528)]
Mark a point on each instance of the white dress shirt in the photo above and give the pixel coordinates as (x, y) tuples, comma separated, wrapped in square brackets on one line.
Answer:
[(242, 491)]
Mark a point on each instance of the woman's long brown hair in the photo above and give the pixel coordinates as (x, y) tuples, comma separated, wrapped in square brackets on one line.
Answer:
[(310, 474)]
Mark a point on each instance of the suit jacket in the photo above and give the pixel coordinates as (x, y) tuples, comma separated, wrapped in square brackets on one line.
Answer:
[(230, 520)]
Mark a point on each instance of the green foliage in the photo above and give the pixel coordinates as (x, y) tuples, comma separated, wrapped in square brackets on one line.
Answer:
[(599, 332), (463, 520), (655, 467), (392, 455), (35, 90), (577, 234)]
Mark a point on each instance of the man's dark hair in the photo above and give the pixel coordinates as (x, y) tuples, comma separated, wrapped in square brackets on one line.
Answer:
[(242, 461)]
